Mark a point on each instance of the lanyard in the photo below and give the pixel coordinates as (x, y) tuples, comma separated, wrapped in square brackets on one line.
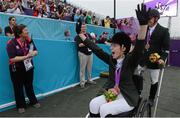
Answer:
[(23, 46), (148, 36), (117, 76)]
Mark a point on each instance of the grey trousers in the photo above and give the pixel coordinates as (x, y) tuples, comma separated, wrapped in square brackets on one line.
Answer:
[(85, 64)]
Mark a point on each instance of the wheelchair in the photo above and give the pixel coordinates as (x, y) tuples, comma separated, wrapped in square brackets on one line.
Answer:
[(143, 109)]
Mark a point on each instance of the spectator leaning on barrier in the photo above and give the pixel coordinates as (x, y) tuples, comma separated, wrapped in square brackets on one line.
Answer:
[(67, 35), (9, 29), (121, 68), (21, 50), (85, 57)]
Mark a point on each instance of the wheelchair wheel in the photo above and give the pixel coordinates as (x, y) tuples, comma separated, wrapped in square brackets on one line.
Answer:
[(87, 115), (144, 109), (139, 110)]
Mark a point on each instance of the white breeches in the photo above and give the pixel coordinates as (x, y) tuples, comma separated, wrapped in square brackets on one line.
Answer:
[(100, 105), (153, 73)]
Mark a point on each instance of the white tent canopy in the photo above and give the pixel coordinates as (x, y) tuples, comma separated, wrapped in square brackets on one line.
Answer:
[(125, 8)]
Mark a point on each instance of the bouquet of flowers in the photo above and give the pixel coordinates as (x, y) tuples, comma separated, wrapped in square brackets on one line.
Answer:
[(110, 95), (154, 57)]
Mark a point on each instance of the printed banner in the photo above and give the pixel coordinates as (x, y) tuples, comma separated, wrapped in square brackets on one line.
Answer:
[(130, 26), (165, 7)]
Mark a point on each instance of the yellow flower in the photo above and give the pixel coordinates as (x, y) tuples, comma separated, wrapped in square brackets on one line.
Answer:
[(110, 96), (154, 57)]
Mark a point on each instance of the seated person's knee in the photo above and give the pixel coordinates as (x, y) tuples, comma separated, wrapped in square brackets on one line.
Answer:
[(104, 110)]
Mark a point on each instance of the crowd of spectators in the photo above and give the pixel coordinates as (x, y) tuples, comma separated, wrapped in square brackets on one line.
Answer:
[(56, 9)]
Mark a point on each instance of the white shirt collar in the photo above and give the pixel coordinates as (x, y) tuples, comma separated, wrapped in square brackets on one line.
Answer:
[(119, 62), (151, 29)]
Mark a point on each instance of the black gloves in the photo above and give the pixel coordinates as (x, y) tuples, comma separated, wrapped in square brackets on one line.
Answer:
[(78, 26), (142, 14)]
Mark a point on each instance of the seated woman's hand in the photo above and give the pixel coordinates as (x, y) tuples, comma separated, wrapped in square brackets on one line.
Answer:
[(110, 95), (114, 91), (117, 89)]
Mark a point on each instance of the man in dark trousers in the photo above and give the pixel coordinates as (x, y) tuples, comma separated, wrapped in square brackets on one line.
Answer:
[(157, 41)]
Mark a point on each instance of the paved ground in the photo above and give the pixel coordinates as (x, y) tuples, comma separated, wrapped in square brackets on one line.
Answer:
[(74, 102)]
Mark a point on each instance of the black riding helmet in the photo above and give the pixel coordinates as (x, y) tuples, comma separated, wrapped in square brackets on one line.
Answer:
[(122, 38)]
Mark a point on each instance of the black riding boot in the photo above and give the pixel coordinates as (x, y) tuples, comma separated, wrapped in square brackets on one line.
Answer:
[(153, 91)]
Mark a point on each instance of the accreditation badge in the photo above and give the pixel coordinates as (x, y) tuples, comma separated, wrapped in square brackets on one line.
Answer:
[(28, 65)]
